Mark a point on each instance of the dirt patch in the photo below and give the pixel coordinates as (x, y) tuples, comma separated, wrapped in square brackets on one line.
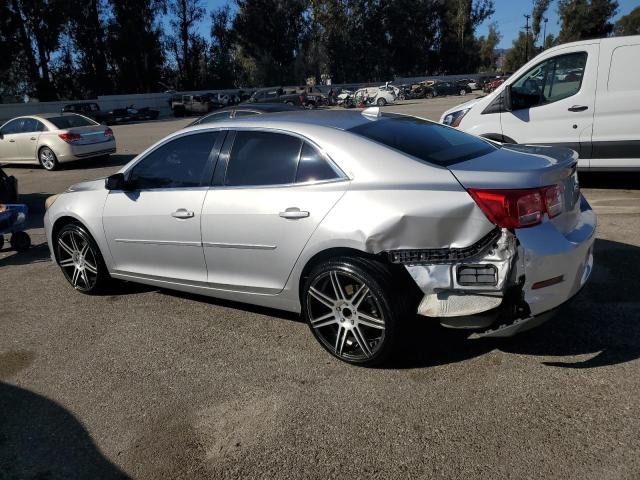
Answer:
[(13, 362)]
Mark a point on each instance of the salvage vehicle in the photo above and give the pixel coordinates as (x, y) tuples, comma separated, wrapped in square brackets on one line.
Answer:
[(244, 111), (440, 89), (182, 105), (53, 138), (143, 113), (582, 95), (92, 110), (379, 96), (289, 96), (357, 219)]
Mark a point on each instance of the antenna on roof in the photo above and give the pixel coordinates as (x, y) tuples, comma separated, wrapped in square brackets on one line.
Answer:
[(372, 112)]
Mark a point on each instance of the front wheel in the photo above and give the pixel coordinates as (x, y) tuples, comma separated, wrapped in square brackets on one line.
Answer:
[(381, 102), (353, 308), (463, 92), (48, 159), (79, 258)]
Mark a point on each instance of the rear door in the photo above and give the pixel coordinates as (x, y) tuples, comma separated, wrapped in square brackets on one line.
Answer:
[(553, 107), (616, 132), (153, 228), (28, 139), (271, 191)]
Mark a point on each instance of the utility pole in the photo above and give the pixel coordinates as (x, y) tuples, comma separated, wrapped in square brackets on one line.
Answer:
[(526, 39), (544, 35)]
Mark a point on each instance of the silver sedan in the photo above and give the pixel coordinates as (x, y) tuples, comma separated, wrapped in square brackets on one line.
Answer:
[(357, 220), (54, 138)]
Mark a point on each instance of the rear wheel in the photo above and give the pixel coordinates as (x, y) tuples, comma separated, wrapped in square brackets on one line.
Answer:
[(353, 307), (79, 258), (463, 92), (381, 102), (429, 95), (48, 159)]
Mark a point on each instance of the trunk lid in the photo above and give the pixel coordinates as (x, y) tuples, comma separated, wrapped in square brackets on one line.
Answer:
[(90, 134), (524, 167)]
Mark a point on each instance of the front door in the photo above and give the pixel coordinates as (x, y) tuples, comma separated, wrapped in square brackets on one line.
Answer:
[(153, 228), (553, 102), (8, 144), (258, 218)]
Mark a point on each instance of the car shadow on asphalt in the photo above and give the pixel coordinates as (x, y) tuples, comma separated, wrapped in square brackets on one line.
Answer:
[(599, 327), (36, 254), (40, 439)]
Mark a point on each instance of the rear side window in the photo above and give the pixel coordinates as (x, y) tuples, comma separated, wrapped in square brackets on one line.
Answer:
[(263, 158), (70, 121), (427, 141), (313, 166), (32, 125), (180, 163)]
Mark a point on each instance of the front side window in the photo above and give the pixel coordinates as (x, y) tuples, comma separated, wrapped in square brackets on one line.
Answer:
[(552, 80), (180, 163), (263, 158)]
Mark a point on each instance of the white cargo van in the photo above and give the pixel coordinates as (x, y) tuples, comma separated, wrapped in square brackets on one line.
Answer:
[(583, 95)]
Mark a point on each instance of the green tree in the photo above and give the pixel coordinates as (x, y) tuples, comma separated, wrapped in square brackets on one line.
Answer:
[(224, 67), (269, 33), (520, 52), (134, 45), (585, 19), (629, 24), (537, 14), (186, 45), (488, 45)]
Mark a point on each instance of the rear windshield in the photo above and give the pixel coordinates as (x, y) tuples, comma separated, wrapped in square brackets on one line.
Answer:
[(70, 121), (427, 141)]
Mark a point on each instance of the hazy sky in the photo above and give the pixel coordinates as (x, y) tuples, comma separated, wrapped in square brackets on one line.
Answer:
[(509, 15)]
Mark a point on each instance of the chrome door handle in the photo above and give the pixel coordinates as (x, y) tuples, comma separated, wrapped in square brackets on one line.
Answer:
[(578, 108), (32, 138), (12, 141), (182, 213), (294, 212)]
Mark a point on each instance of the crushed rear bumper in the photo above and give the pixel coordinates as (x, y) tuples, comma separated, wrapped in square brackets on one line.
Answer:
[(534, 270)]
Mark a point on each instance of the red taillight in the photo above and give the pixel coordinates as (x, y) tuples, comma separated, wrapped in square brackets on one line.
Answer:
[(108, 132), (519, 208), (69, 137)]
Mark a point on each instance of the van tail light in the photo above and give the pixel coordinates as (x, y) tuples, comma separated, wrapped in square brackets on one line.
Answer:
[(519, 208), (108, 132), (70, 137)]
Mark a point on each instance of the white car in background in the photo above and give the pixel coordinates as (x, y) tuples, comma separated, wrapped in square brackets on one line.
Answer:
[(379, 96), (583, 95), (49, 139)]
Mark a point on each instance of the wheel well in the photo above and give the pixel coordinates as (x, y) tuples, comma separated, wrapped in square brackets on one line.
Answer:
[(332, 253)]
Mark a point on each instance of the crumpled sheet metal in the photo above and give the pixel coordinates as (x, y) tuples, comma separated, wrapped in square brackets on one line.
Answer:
[(444, 297)]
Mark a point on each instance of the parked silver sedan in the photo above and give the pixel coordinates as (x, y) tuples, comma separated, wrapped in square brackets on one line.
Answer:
[(54, 138), (355, 219)]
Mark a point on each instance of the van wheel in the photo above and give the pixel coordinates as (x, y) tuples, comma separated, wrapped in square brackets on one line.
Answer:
[(48, 159)]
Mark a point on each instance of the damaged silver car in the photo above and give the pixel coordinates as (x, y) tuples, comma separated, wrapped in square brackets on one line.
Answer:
[(358, 220)]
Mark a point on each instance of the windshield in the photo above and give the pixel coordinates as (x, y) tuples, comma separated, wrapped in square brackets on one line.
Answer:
[(70, 121), (427, 141)]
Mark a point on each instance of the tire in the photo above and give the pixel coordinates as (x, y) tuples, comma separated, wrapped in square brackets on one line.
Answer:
[(381, 102), (48, 159), (20, 241), (429, 95), (339, 292), (463, 92), (178, 112), (1, 241), (80, 260)]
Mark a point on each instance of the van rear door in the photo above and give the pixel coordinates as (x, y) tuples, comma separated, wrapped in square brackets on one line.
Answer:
[(553, 102)]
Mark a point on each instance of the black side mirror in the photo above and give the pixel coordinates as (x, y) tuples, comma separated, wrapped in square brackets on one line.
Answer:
[(506, 99), (115, 182), (1, 135)]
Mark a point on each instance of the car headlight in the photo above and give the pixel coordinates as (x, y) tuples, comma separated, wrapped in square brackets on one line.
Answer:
[(49, 201), (453, 119)]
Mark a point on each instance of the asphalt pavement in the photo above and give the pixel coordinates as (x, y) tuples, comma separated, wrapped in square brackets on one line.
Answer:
[(152, 384)]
